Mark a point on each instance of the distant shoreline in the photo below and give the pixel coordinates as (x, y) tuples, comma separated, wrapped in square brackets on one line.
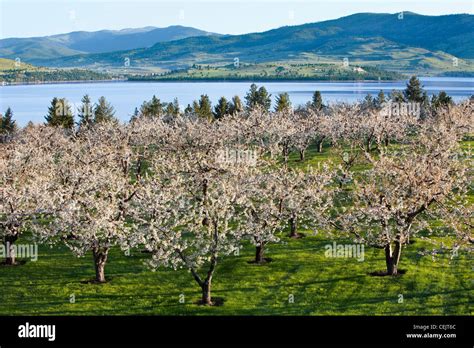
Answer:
[(259, 80), (5, 84), (189, 81), (213, 81)]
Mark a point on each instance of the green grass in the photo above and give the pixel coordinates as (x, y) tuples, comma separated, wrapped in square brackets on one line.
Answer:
[(319, 285), (330, 70), (12, 72), (9, 64)]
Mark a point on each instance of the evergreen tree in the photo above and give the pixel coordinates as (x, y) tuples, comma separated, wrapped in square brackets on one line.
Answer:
[(153, 108), (264, 99), (104, 111), (85, 112), (203, 108), (283, 102), (188, 110), (195, 107), (60, 114), (441, 100), (235, 106), (317, 101), (52, 116), (414, 91), (251, 97), (258, 97), (397, 96), (425, 100), (380, 100), (7, 124), (172, 109), (169, 109), (135, 115), (221, 109), (369, 102), (144, 109), (176, 108)]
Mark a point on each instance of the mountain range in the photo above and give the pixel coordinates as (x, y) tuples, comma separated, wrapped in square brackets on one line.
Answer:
[(408, 43), (83, 42)]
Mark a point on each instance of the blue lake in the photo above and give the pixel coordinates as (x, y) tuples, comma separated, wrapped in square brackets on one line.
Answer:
[(30, 102)]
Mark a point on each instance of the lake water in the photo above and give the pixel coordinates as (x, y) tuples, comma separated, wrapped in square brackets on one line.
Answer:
[(31, 102)]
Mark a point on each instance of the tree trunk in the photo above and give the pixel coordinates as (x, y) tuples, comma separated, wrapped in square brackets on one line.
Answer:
[(392, 258), (206, 292), (100, 258), (10, 258), (320, 145), (397, 253), (342, 179), (260, 249), (205, 185), (286, 154), (302, 155), (293, 226)]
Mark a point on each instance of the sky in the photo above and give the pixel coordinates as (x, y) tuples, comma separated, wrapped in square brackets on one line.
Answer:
[(26, 18)]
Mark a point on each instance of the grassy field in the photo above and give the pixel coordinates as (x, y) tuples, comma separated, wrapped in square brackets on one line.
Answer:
[(8, 64), (299, 270), (13, 72), (328, 70), (319, 285)]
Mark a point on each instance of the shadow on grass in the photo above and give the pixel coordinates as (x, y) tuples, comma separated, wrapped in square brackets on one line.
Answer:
[(384, 273), (17, 263)]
